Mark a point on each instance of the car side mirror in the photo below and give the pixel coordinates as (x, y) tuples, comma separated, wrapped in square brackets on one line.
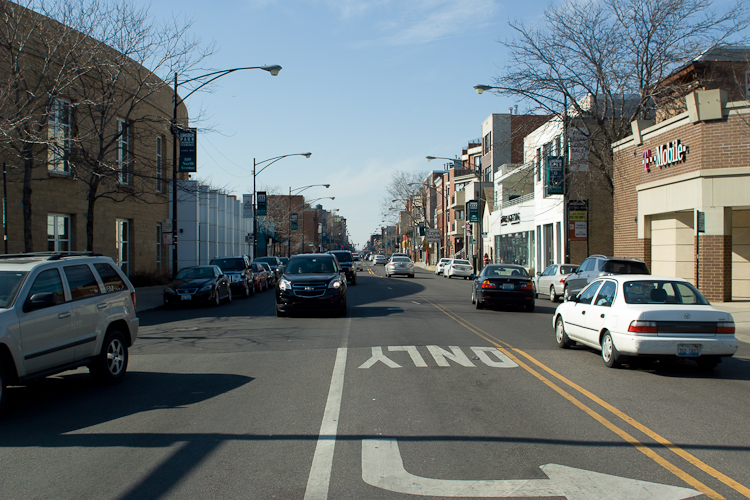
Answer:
[(538, 273), (40, 301), (571, 298)]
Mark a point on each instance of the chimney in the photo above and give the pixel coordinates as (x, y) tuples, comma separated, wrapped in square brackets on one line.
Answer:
[(515, 109)]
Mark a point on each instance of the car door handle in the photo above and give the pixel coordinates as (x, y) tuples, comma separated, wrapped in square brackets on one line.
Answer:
[(583, 312), (102, 305), (602, 316), (64, 315)]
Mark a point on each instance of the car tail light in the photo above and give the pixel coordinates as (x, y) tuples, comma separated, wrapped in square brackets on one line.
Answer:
[(727, 327), (132, 296), (488, 284), (562, 280), (642, 327), (527, 286)]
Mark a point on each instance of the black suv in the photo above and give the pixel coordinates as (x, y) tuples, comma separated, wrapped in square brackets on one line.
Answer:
[(239, 273), (347, 264), (599, 265), (274, 263)]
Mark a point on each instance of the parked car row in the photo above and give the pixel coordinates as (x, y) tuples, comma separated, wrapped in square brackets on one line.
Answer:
[(222, 280)]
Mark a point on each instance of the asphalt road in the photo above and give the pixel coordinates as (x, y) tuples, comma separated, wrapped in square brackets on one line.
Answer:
[(415, 392)]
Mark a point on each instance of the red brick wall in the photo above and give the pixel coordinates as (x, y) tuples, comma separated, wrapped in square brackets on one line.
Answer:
[(714, 276)]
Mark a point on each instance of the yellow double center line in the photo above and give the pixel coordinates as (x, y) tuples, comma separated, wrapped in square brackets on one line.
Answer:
[(511, 352)]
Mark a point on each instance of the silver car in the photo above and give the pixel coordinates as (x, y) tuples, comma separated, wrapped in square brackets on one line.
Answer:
[(552, 281), (400, 266), (379, 259)]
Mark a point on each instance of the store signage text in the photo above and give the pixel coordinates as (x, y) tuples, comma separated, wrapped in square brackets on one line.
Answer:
[(665, 155), (512, 218)]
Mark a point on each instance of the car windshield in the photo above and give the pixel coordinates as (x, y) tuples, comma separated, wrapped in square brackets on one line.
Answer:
[(311, 265), (343, 256), (505, 271), (267, 260), (196, 273), (662, 292), (10, 283), (229, 264), (568, 269), (624, 267)]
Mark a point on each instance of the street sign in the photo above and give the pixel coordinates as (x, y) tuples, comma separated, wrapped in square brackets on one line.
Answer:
[(187, 139), (294, 222), (166, 225), (701, 222), (472, 210)]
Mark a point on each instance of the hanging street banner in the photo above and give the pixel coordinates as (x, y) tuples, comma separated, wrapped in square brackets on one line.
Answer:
[(294, 222), (261, 203), (247, 206), (555, 175), (187, 150), (472, 210)]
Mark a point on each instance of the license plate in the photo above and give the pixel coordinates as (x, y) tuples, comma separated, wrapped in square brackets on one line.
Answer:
[(186, 297), (689, 350), (508, 286)]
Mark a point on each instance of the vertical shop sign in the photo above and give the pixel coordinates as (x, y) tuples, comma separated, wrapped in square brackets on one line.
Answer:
[(294, 222), (262, 203), (188, 150), (555, 175), (577, 220)]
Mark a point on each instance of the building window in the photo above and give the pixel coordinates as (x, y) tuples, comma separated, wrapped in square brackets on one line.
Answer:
[(123, 152), (123, 245), (58, 135), (487, 143), (158, 248), (159, 164), (459, 214), (58, 233), (478, 162)]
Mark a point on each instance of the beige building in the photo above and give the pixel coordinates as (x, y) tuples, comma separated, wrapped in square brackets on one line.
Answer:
[(97, 178)]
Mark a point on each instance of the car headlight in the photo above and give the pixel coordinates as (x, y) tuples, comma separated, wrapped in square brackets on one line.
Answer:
[(168, 290), (285, 284), (206, 288), (335, 284)]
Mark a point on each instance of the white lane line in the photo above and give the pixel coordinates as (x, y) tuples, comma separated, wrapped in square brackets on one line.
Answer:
[(320, 472)]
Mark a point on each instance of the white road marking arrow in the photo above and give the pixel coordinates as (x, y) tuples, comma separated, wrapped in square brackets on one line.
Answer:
[(382, 467)]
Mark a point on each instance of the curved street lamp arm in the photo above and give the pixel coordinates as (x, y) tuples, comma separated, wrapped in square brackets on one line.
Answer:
[(299, 190), (277, 158), (273, 69)]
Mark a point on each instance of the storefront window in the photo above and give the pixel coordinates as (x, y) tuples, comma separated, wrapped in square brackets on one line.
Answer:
[(515, 248)]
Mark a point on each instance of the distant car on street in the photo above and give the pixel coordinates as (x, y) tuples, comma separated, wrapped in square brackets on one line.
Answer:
[(400, 266), (643, 315), (440, 265), (500, 284), (551, 282), (379, 259), (599, 265), (198, 285), (459, 268), (239, 273), (311, 282)]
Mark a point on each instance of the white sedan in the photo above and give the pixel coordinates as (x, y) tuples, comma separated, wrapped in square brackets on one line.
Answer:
[(643, 315), (458, 267), (440, 265)]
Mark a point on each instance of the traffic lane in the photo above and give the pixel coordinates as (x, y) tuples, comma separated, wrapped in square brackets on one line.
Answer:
[(201, 425), (476, 422), (669, 407)]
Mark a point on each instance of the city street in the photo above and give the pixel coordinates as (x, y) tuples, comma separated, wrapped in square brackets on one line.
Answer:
[(414, 392)]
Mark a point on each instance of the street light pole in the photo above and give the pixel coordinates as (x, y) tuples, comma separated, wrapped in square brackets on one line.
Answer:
[(256, 164), (273, 69)]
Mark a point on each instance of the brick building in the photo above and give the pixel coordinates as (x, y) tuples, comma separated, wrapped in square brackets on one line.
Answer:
[(682, 195)]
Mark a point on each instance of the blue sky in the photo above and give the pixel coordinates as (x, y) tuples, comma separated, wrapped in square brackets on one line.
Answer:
[(368, 86)]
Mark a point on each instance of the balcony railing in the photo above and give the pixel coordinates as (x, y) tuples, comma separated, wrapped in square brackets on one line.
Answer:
[(521, 199)]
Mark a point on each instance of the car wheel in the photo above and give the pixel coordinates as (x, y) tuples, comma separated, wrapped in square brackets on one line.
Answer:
[(478, 303), (111, 363), (217, 298), (279, 312), (566, 293), (708, 362), (246, 291), (610, 356), (552, 294), (530, 307), (533, 286), (229, 294), (561, 337), (354, 280), (411, 275)]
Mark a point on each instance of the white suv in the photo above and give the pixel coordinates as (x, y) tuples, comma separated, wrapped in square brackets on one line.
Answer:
[(60, 311)]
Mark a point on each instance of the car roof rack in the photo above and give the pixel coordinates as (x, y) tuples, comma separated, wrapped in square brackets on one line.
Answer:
[(50, 255)]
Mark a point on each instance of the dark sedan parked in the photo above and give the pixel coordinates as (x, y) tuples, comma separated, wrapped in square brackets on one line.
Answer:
[(312, 282), (277, 267), (260, 275), (199, 284), (503, 284)]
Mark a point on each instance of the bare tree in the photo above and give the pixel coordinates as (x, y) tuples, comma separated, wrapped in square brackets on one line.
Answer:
[(403, 186), (597, 64)]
